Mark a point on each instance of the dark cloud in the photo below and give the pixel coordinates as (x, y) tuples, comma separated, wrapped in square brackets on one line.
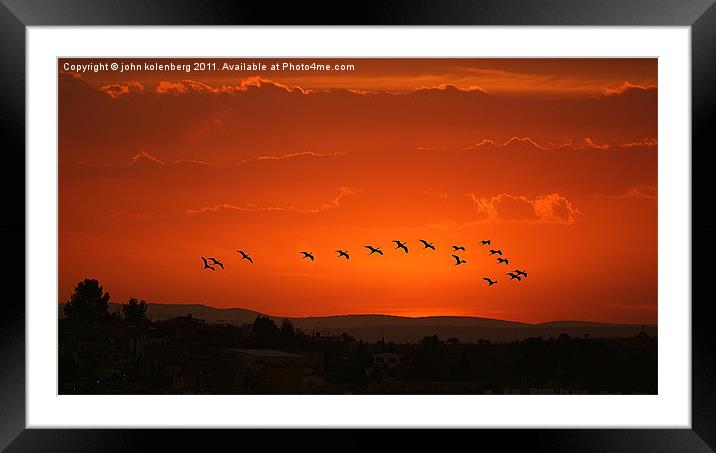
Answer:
[(257, 116)]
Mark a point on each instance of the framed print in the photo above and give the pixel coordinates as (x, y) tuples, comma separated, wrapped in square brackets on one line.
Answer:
[(232, 225)]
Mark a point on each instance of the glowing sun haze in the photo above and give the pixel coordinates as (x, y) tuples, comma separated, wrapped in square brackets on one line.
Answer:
[(553, 160)]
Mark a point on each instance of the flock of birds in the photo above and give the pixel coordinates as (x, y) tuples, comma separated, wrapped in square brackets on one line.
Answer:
[(517, 274)]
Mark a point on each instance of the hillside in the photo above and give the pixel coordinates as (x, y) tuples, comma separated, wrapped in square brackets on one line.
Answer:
[(400, 329)]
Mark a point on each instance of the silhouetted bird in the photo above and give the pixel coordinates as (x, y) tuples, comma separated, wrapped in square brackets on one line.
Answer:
[(373, 249), (427, 245), (342, 253), (514, 276), (489, 282), (485, 242), (207, 265), (307, 255), (401, 245), (458, 260), (455, 248), (245, 256), (519, 272), (503, 260), (492, 252), (217, 262)]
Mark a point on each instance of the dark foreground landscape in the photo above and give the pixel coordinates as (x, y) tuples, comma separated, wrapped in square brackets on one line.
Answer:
[(194, 349)]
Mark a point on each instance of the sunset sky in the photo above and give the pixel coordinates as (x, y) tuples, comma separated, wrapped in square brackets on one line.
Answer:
[(554, 160)]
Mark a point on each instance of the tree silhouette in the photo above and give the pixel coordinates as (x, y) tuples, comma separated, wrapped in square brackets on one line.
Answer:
[(265, 330), (287, 334), (88, 302), (287, 328), (134, 311), (359, 363), (430, 358)]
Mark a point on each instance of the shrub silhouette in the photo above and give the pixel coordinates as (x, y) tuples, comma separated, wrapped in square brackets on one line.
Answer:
[(89, 302), (134, 311)]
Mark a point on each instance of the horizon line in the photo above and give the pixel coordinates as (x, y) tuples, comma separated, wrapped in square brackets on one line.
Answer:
[(394, 316)]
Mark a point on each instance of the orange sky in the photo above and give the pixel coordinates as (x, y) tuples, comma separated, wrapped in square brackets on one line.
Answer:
[(553, 160)]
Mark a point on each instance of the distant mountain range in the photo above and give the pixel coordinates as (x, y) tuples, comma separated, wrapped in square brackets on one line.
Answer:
[(399, 329)]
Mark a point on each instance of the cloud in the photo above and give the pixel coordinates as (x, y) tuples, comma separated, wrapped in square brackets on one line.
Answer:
[(523, 140), (547, 208), (513, 141), (183, 87), (73, 75), (589, 143), (145, 155), (207, 128), (116, 90), (360, 91), (450, 88), (336, 202), (586, 143), (642, 192), (531, 78), (451, 117), (644, 143), (302, 154), (430, 193), (194, 86), (627, 86), (554, 208), (250, 207)]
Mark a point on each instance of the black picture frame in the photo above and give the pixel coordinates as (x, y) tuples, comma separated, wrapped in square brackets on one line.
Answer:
[(16, 15)]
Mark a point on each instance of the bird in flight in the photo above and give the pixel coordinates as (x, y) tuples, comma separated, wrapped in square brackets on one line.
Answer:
[(455, 248), (458, 260), (373, 249), (519, 272), (245, 256), (342, 253), (207, 265), (499, 252), (308, 255), (217, 263), (485, 242), (489, 282), (503, 260), (427, 245), (401, 245), (514, 276)]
